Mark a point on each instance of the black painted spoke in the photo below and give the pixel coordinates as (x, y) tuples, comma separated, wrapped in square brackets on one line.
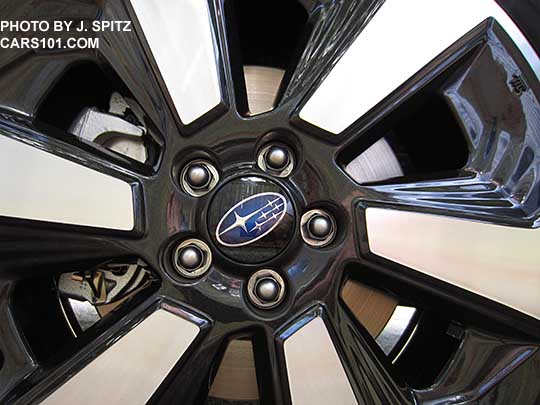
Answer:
[(121, 337), (55, 229), (333, 27), (74, 355), (175, 92), (485, 368), (16, 361), (56, 141), (229, 65), (53, 141), (125, 53), (191, 377), (271, 370), (465, 139), (373, 383), (48, 140), (38, 249), (468, 196), (327, 356)]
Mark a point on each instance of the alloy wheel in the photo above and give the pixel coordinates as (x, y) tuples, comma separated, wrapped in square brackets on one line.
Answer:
[(399, 169)]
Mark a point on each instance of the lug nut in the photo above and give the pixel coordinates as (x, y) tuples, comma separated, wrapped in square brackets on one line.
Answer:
[(192, 258), (276, 159), (318, 228), (266, 289), (198, 177)]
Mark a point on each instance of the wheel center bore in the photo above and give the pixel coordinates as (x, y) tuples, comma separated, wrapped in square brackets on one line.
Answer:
[(251, 219)]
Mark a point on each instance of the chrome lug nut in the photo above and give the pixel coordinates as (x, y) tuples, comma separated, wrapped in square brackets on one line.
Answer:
[(192, 258), (198, 177), (266, 289), (318, 228), (276, 159)]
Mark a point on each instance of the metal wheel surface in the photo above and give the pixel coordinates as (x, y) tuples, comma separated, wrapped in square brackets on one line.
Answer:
[(301, 202)]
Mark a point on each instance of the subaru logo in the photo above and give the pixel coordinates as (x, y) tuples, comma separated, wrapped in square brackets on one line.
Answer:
[(251, 219)]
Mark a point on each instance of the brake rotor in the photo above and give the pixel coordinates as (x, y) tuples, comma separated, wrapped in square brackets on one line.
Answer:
[(236, 377), (262, 85)]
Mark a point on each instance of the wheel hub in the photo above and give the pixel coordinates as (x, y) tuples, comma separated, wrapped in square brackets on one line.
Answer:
[(251, 219)]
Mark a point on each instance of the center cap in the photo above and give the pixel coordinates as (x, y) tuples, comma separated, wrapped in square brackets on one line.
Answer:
[(251, 219)]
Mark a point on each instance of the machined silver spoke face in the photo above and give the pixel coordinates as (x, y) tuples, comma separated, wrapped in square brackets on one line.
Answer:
[(399, 41), (316, 375), (181, 39), (497, 262), (132, 369), (41, 186)]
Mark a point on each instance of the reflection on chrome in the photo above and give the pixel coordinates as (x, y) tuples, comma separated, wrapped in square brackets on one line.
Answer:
[(395, 328)]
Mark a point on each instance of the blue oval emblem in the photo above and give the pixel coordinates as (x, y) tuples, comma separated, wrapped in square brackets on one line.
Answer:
[(251, 219)]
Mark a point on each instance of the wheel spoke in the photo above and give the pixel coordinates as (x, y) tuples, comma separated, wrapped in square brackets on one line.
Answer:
[(334, 28), (463, 253), (30, 249), (132, 362), (486, 367), (271, 378), (181, 37), (123, 51), (58, 213), (318, 374), (16, 360), (353, 87), (483, 156), (374, 382), (190, 379), (314, 369), (43, 186), (473, 197)]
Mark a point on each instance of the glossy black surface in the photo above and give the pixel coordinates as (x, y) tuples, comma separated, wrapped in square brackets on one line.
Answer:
[(495, 187), (481, 371), (499, 181), (526, 15)]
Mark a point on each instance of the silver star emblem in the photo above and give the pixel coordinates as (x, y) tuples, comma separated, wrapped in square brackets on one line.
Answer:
[(240, 221)]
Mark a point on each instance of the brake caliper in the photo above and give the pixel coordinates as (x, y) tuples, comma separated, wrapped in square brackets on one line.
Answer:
[(121, 129), (104, 285)]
